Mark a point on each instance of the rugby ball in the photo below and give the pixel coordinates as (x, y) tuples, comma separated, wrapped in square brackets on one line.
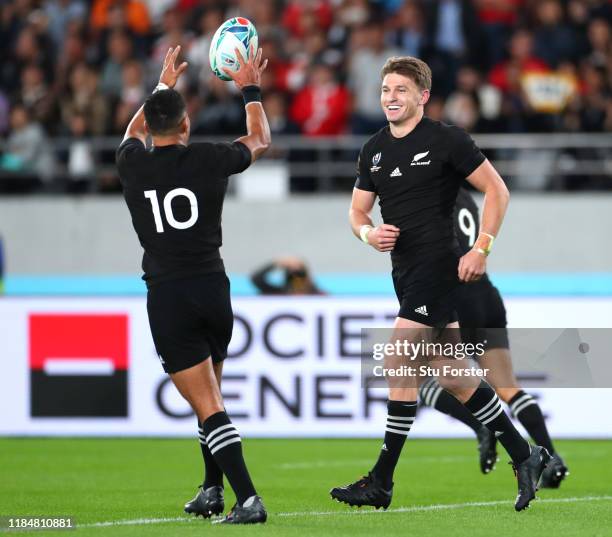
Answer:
[(237, 32)]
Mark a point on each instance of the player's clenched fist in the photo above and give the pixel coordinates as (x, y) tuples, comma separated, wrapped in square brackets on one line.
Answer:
[(472, 266), (383, 237)]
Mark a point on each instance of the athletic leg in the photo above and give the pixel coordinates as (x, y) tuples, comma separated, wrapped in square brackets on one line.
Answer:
[(200, 387)]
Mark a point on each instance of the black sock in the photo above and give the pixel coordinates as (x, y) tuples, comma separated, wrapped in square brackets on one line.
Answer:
[(225, 446), (485, 406), (433, 395), (525, 409), (400, 415), (213, 476)]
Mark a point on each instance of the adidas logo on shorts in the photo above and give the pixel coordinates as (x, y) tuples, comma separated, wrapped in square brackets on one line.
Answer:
[(422, 310)]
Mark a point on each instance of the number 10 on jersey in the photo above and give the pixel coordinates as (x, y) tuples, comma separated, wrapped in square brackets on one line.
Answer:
[(151, 195)]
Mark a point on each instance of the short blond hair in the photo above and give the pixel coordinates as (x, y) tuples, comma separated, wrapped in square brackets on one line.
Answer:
[(413, 68)]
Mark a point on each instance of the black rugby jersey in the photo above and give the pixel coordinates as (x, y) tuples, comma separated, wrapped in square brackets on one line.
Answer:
[(467, 221), (417, 178), (175, 196)]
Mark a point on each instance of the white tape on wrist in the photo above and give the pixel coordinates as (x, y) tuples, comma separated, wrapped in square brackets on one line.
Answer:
[(161, 86), (363, 232)]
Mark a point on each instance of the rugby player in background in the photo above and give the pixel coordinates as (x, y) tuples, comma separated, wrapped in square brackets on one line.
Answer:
[(415, 166), (482, 317)]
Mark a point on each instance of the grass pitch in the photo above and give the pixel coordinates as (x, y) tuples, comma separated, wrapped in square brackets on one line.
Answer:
[(128, 487)]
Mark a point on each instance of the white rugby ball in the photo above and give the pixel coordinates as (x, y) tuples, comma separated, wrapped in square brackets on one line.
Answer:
[(236, 33)]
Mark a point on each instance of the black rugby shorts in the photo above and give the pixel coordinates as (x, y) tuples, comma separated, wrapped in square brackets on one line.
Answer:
[(191, 319), (482, 315), (426, 290)]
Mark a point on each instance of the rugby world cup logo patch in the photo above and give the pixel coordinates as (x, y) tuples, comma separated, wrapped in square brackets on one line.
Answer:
[(375, 160)]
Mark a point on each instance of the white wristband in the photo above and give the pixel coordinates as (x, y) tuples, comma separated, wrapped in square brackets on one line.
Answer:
[(363, 232), (161, 86)]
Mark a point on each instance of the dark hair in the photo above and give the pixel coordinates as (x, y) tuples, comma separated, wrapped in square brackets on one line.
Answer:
[(164, 112), (413, 68)]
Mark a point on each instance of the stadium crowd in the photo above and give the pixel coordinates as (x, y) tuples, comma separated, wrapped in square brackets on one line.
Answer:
[(80, 69)]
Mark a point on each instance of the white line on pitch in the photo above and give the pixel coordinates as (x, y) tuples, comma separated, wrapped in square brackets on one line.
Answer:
[(443, 506), (350, 462), (416, 508)]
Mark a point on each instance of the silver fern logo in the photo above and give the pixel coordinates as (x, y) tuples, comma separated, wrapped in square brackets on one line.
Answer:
[(417, 160)]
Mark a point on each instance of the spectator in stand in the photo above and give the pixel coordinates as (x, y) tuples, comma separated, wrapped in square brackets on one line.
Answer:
[(275, 106), (83, 98), (119, 53), (81, 157), (554, 39), (301, 17), (132, 95), (474, 105), (156, 10), (173, 34), (60, 13), (454, 38), (600, 43), (321, 108), (36, 96), (29, 48), (368, 53), (264, 17), (409, 29), (28, 159), (522, 60), (197, 55), (133, 12), (220, 113), (73, 52), (595, 97), (497, 18), (348, 15)]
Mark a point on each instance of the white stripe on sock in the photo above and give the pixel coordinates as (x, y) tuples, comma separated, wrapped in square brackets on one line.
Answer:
[(436, 396), (398, 426), (216, 431), (397, 431), (489, 412), (489, 420), (226, 443), (427, 391), (222, 437), (401, 418), (517, 411), (426, 385), (486, 408), (519, 401)]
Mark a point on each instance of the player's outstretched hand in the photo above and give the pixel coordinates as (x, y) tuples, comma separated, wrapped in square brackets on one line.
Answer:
[(249, 71), (170, 73), (383, 237), (472, 266)]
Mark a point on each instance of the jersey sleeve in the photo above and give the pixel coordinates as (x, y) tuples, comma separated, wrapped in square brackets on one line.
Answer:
[(227, 158), (364, 179), (465, 155), (128, 151)]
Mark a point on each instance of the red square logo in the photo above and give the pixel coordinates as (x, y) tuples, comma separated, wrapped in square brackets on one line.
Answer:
[(78, 365)]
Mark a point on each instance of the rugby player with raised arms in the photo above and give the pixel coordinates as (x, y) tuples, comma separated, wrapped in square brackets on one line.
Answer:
[(415, 167), (175, 192)]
